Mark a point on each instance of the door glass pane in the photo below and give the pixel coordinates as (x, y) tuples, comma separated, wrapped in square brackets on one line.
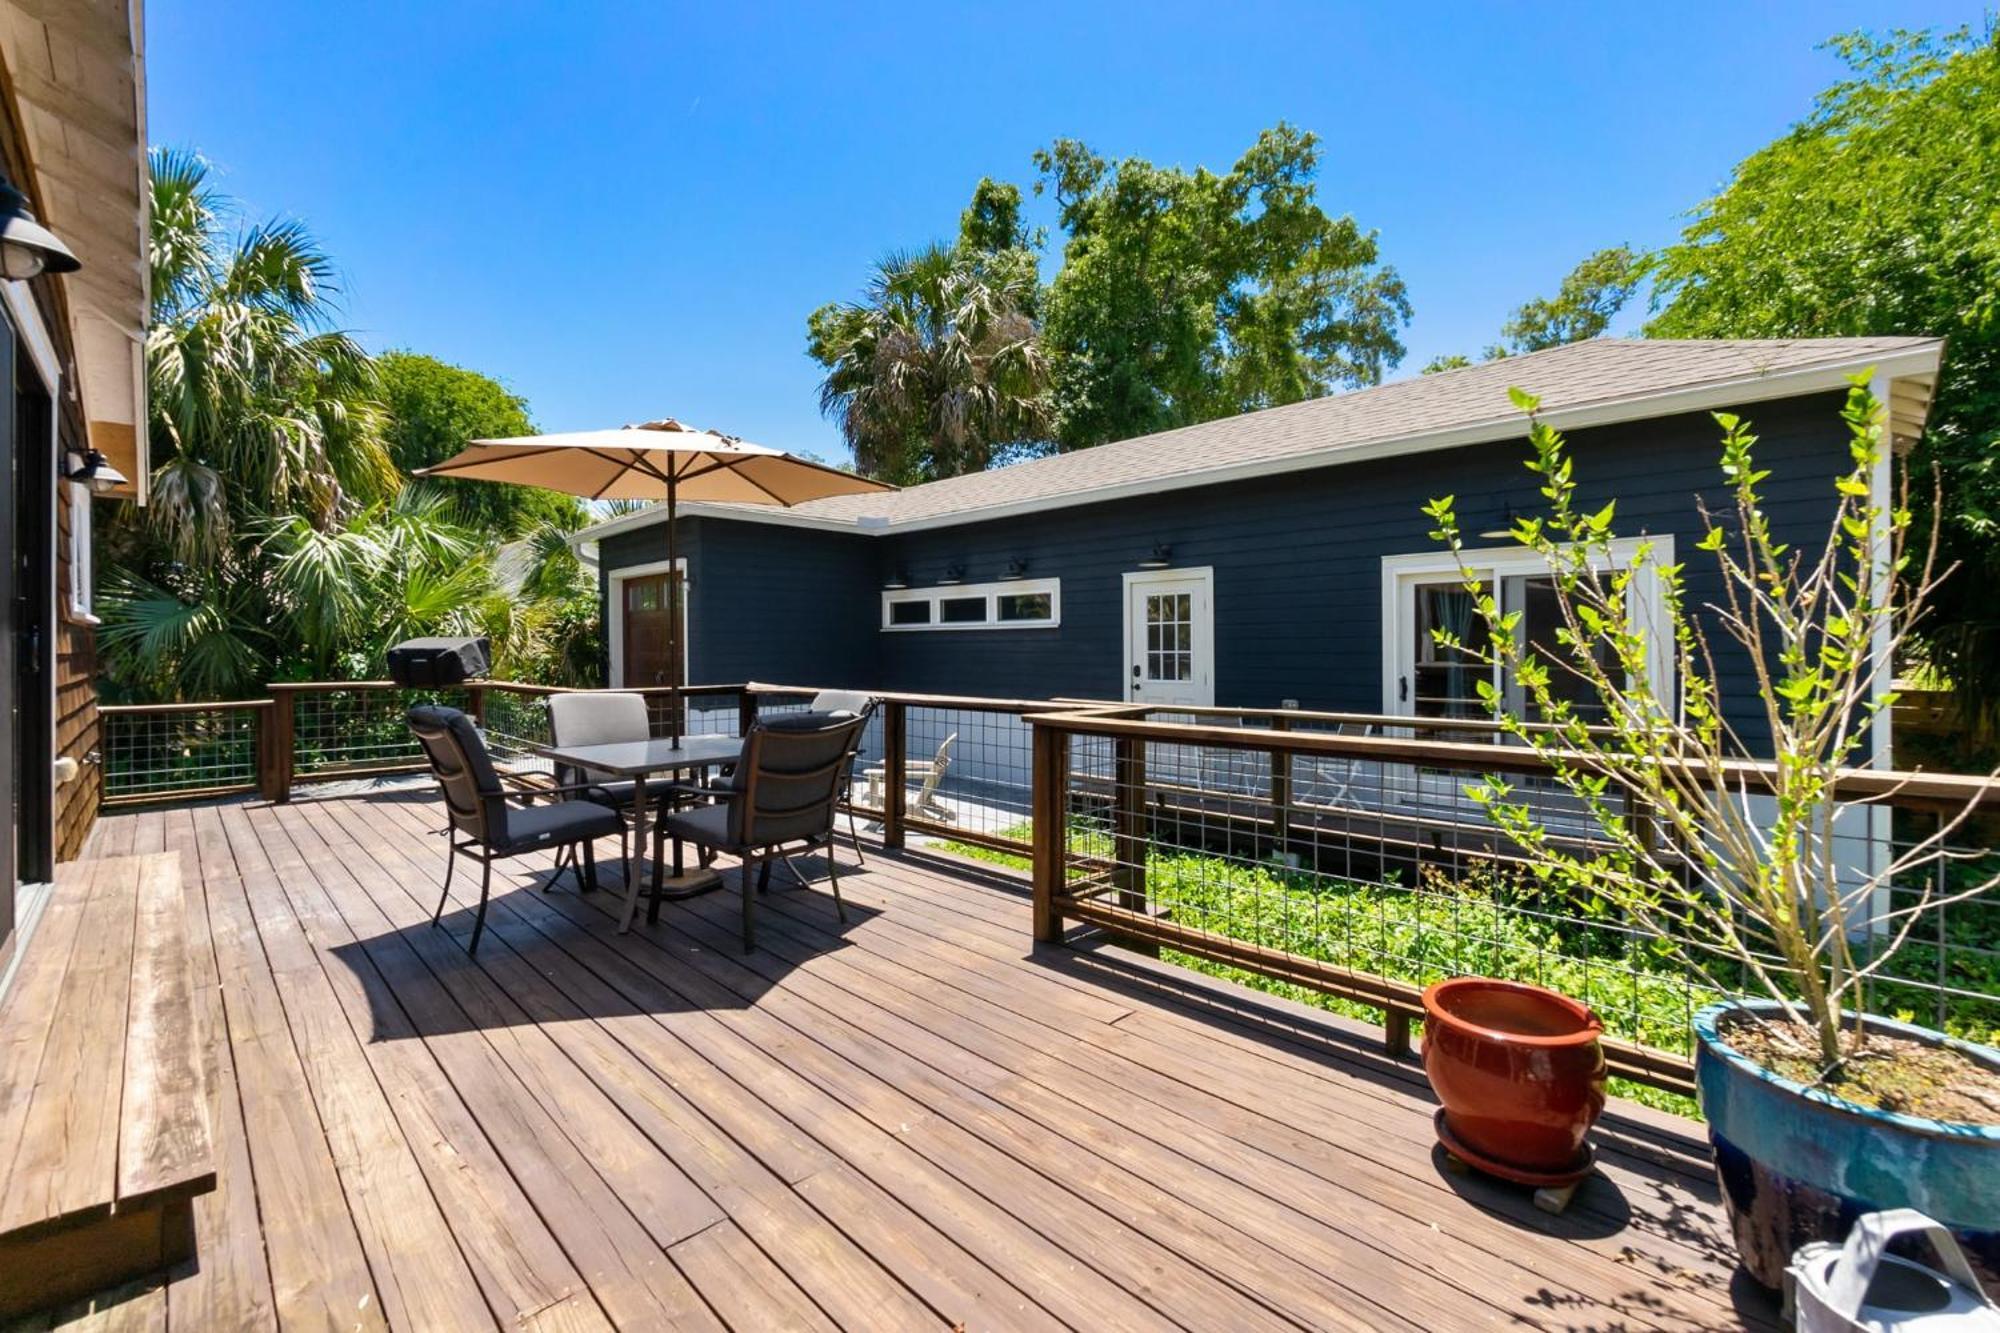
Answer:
[(1170, 636), (1541, 617), (1446, 678)]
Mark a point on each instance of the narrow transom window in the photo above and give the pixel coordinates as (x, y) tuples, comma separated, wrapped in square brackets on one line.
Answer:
[(1018, 604)]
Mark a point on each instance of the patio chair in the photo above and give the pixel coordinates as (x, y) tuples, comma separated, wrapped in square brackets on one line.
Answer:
[(600, 718), (862, 706), (779, 801), (482, 821), (928, 775)]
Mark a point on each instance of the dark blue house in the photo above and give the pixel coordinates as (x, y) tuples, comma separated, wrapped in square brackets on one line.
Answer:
[(1276, 558)]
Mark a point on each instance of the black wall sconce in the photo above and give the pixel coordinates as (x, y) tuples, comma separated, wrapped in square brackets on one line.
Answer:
[(953, 574), (1017, 568), (896, 581), (92, 469), (1503, 530), (1162, 557)]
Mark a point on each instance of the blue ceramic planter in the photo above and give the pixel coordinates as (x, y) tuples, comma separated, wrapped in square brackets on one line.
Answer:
[(1798, 1164)]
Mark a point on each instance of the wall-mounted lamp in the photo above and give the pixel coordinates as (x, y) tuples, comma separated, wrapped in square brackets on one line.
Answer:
[(1161, 558), (1017, 568), (896, 581), (27, 248), (1504, 531), (92, 469), (952, 574)]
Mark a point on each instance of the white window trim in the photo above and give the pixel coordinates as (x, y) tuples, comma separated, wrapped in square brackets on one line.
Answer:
[(615, 594), (992, 592), (1498, 562)]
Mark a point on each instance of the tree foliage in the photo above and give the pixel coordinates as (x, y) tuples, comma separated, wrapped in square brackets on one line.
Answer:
[(1876, 214), (1739, 883), (434, 408), (1590, 296), (1585, 303), (281, 542), (1187, 296), (939, 369)]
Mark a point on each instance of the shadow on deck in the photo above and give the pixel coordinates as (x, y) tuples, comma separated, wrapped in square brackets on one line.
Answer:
[(913, 1119)]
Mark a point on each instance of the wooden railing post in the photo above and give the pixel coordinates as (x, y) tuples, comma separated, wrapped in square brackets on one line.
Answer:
[(746, 710), (1129, 834), (263, 744), (895, 760), (1051, 808), (475, 705), (1281, 796), (284, 718)]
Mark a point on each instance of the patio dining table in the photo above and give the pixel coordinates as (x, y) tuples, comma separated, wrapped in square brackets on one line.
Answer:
[(640, 760)]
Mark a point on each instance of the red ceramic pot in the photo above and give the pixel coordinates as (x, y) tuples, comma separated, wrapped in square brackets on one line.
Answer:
[(1520, 1072)]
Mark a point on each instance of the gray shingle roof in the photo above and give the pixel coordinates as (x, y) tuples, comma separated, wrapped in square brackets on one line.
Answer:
[(1453, 407)]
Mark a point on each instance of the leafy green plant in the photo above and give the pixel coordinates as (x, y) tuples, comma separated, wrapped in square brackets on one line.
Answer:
[(1738, 875)]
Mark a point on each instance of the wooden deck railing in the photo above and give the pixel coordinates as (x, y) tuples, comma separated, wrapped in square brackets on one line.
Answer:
[(1332, 852)]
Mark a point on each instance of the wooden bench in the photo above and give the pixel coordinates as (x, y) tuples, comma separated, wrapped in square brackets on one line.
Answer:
[(104, 1132)]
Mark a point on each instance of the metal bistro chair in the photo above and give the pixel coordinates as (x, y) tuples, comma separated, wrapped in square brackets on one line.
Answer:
[(779, 801), (482, 821), (862, 706), (600, 718)]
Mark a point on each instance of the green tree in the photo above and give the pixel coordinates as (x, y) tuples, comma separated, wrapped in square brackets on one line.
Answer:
[(1590, 296), (1876, 214), (1186, 296), (281, 543), (1446, 361), (434, 408), (939, 369)]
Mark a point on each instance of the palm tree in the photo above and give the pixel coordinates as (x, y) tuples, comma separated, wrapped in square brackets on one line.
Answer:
[(274, 510), (939, 371)]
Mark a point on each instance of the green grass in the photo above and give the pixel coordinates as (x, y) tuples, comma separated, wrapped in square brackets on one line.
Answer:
[(1481, 924)]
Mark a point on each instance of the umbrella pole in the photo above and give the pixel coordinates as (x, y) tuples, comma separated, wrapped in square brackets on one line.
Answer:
[(675, 625)]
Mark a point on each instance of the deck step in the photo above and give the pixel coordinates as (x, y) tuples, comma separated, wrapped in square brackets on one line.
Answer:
[(104, 1131)]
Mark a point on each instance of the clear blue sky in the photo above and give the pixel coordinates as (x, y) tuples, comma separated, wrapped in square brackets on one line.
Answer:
[(626, 211)]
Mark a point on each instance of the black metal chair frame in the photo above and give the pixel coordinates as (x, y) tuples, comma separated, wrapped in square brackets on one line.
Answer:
[(757, 855), (471, 831)]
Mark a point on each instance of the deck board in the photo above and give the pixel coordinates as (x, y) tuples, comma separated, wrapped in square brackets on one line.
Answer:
[(914, 1119)]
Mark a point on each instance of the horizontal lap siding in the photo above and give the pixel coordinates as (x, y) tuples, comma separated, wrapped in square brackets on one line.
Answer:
[(1297, 560), (767, 602)]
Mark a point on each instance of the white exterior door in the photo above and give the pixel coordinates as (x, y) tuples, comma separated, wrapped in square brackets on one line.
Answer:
[(1170, 637)]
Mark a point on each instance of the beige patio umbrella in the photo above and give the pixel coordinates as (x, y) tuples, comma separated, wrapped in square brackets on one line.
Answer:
[(658, 460)]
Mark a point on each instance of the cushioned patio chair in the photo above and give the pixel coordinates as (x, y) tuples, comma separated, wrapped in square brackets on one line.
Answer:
[(780, 800), (483, 821), (600, 718), (860, 705)]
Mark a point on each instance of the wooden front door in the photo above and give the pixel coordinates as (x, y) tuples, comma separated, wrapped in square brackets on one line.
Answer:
[(650, 646)]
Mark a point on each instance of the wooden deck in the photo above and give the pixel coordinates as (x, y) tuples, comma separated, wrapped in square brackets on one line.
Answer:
[(911, 1121)]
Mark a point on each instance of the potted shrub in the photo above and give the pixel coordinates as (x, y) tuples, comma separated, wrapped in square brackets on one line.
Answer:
[(1520, 1073), (1746, 868)]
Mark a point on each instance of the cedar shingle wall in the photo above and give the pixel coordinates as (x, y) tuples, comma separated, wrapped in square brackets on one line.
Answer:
[(76, 707)]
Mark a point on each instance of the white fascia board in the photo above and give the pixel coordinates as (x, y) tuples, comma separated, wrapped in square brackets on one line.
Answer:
[(1716, 394)]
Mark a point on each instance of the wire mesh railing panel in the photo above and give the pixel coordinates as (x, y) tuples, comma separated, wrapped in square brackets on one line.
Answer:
[(151, 753), (349, 730), (1391, 870), (964, 768), (515, 724)]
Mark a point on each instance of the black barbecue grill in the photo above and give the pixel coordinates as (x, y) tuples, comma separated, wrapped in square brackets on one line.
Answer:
[(430, 663)]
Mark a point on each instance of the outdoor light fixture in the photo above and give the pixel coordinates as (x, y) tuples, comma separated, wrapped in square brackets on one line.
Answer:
[(1161, 558), (1506, 528), (896, 581), (952, 574), (1017, 568), (92, 469), (27, 248)]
